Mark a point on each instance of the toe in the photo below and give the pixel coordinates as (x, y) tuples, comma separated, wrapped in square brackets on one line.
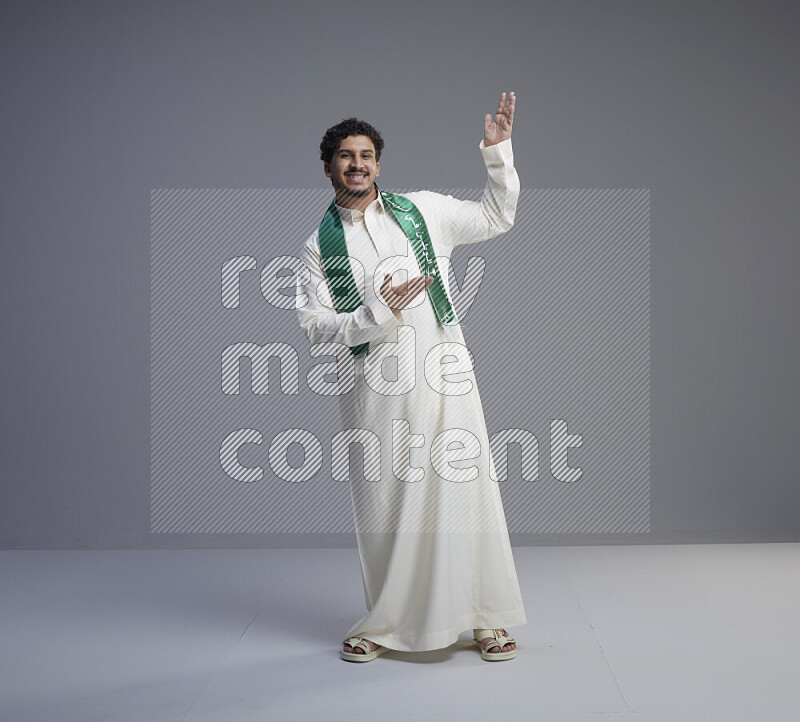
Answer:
[(359, 649)]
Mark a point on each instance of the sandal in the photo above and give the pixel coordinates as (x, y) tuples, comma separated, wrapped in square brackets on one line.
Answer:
[(368, 655), (501, 638)]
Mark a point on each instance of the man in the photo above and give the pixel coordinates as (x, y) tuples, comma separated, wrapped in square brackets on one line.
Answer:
[(435, 554)]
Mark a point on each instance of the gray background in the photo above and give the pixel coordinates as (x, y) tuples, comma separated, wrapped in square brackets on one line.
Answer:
[(103, 102)]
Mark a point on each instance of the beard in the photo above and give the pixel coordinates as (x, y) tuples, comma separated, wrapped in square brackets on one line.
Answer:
[(349, 193)]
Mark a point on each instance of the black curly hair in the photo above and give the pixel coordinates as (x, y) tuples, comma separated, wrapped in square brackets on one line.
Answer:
[(349, 126)]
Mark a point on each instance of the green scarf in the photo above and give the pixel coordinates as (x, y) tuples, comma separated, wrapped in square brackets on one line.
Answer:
[(336, 263)]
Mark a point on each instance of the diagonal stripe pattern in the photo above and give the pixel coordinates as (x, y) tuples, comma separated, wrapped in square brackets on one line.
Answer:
[(556, 314)]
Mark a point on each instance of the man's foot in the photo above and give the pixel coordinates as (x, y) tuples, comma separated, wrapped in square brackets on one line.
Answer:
[(358, 650), (354, 649), (495, 644)]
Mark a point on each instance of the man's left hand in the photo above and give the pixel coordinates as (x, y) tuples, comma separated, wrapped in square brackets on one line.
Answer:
[(497, 130)]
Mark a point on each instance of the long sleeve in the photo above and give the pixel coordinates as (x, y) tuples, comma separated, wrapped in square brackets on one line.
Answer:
[(472, 221), (318, 317)]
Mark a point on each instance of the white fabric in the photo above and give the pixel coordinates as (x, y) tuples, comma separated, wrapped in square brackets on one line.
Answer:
[(435, 553)]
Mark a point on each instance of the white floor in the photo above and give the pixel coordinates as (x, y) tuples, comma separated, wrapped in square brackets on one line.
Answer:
[(667, 633)]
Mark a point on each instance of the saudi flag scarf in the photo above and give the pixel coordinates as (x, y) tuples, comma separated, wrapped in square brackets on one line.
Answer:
[(336, 263)]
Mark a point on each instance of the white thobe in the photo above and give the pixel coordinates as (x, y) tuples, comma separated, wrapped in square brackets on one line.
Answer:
[(435, 553)]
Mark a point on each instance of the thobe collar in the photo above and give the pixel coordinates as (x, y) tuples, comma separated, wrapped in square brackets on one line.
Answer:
[(383, 246), (353, 216)]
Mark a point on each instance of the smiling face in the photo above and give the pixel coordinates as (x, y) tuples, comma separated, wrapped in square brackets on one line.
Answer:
[(354, 168)]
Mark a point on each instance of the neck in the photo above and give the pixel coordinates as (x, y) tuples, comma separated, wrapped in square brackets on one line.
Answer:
[(356, 203)]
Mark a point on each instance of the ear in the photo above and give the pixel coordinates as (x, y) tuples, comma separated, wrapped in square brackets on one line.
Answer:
[(377, 169), (327, 169)]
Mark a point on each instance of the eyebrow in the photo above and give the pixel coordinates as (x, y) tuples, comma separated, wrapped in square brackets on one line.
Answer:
[(350, 150)]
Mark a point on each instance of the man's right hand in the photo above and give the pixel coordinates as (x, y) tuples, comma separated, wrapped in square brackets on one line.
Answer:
[(399, 296)]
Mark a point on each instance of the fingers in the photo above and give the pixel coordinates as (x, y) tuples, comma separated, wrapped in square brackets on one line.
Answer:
[(506, 101), (418, 282), (501, 104), (506, 104), (512, 99), (398, 297), (505, 111), (415, 288)]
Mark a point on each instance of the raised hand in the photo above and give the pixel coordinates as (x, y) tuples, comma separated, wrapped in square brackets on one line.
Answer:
[(399, 296), (497, 130)]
